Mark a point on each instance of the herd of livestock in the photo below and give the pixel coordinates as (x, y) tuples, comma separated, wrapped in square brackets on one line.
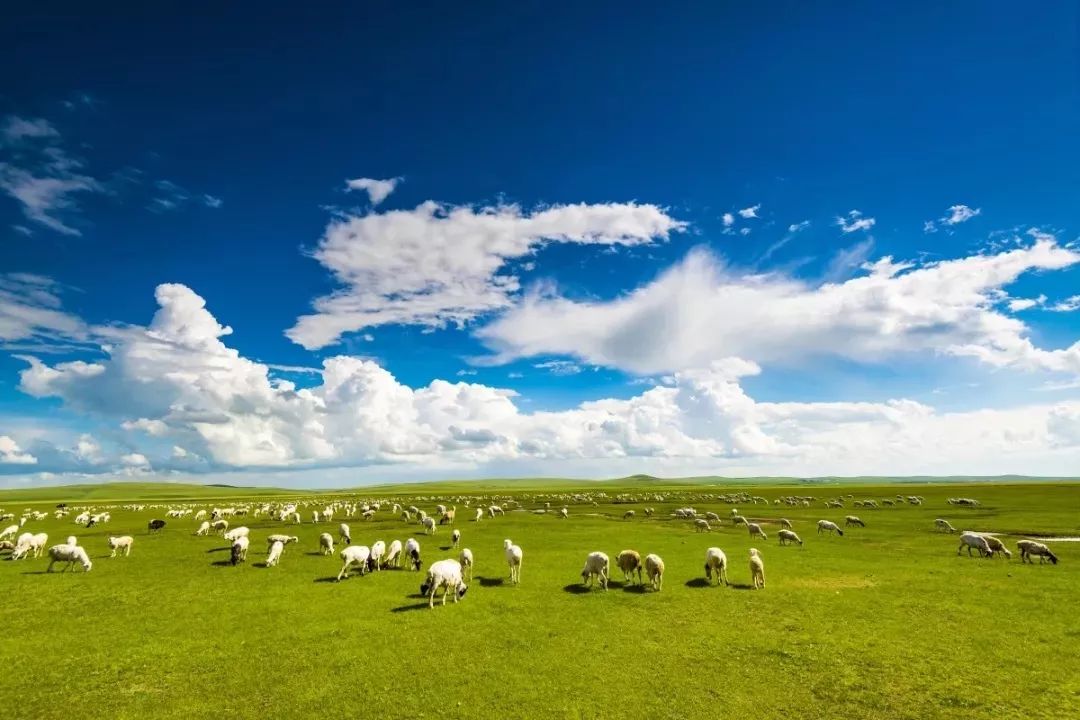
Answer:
[(449, 575)]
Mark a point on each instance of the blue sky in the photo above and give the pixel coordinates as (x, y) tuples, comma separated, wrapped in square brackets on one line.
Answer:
[(586, 297)]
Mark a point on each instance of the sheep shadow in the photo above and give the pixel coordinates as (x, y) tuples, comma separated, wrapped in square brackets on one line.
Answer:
[(490, 582), (698, 582), (636, 589), (220, 549), (222, 563), (41, 572), (313, 554), (407, 608), (446, 547), (577, 589), (741, 586), (259, 565), (331, 579)]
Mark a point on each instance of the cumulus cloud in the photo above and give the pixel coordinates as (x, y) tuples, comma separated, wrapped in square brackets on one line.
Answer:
[(750, 212), (728, 219), (377, 190), (1020, 304), (12, 454), (854, 221), (683, 319), (437, 264), (1069, 304)]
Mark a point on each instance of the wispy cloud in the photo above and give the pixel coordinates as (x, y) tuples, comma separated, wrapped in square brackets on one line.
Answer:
[(1069, 304), (854, 221), (750, 212), (559, 367), (955, 215), (798, 227), (211, 201)]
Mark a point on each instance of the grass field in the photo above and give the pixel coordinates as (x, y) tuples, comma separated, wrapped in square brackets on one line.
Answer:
[(885, 622)]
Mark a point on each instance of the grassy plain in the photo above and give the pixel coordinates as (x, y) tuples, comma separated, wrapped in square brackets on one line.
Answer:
[(885, 622)]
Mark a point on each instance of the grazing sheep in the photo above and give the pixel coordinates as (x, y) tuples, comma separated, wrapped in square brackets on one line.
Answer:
[(123, 542), (238, 552), (274, 556), (466, 560), (283, 539), (220, 526), (654, 568), (716, 564), (739, 520), (296, 518), (70, 554), (204, 528), (944, 526), (455, 537), (71, 540), (155, 525), (629, 514), (445, 574), (429, 526), (785, 523), (756, 531), (199, 515), (629, 561), (345, 533), (514, 556), (495, 510), (357, 555), (712, 516), (378, 552), (787, 536), (412, 553), (829, 526), (6, 545), (974, 540), (479, 515), (701, 526), (393, 555), (596, 565), (326, 544), (448, 516), (564, 514), (853, 520), (757, 569), (237, 532), (1029, 548), (997, 546)]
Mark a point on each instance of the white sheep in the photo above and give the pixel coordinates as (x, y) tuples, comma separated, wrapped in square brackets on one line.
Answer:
[(220, 526), (563, 514), (757, 569), (787, 536), (596, 565), (70, 554), (393, 555), (326, 544), (701, 526), (654, 568), (997, 546), (412, 553), (970, 540), (239, 549), (378, 553), (944, 526), (455, 538), (274, 556), (853, 520), (716, 564), (357, 555), (204, 528), (628, 515), (785, 523), (283, 539), (1029, 548), (829, 526), (200, 515), (739, 520), (514, 556), (429, 526), (237, 532), (296, 518), (756, 531), (466, 560), (479, 515), (345, 533), (10, 531), (445, 574), (123, 542)]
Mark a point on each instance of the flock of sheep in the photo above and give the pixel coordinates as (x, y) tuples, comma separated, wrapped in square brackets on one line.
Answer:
[(449, 575)]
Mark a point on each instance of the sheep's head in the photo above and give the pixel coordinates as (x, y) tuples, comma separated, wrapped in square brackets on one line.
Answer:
[(424, 587), (1052, 556), (461, 590)]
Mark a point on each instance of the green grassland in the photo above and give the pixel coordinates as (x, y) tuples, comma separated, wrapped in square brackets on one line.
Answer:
[(885, 622)]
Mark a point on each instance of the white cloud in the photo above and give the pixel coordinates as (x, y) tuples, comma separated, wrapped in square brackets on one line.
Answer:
[(750, 212), (683, 319), (960, 213), (798, 227), (30, 309), (212, 202), (728, 219), (559, 367), (377, 190), (1020, 304), (854, 221), (12, 454), (134, 460), (435, 265), (1069, 304), (929, 227), (37, 173), (847, 260)]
